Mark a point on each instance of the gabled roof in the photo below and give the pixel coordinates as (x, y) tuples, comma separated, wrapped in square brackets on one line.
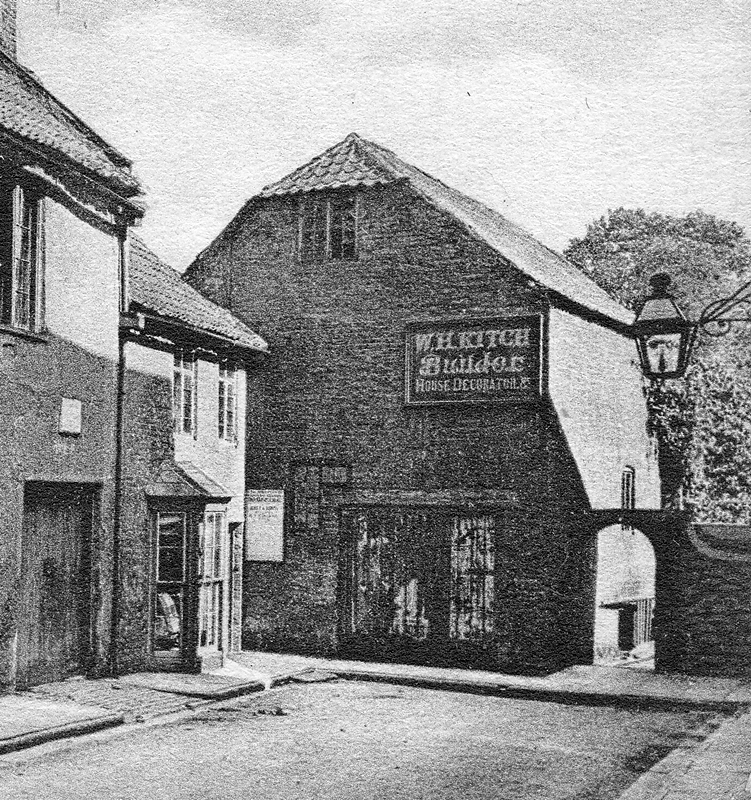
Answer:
[(157, 288), (358, 162), (29, 111)]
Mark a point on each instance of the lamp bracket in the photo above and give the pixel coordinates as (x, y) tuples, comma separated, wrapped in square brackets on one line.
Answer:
[(720, 315)]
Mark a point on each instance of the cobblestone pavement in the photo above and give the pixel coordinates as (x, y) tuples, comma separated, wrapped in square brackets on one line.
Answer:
[(365, 741)]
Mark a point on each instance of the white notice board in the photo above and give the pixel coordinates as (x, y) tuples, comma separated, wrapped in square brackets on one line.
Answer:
[(264, 525)]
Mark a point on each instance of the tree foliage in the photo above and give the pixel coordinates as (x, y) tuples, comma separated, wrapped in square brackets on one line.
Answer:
[(703, 424)]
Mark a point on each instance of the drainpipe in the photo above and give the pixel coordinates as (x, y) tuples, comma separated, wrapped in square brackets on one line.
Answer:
[(119, 446)]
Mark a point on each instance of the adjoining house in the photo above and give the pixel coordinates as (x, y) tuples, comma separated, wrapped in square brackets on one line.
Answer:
[(67, 200), (183, 470), (116, 520), (448, 403)]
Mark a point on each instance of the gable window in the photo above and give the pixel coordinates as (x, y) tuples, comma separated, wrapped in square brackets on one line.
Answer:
[(184, 393), (227, 402), (21, 250), (628, 492), (328, 228)]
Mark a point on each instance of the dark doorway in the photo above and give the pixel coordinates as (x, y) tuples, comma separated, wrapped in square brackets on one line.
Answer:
[(55, 597)]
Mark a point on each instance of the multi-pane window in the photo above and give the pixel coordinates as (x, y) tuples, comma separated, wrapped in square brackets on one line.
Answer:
[(170, 580), (212, 569), (328, 227), (184, 393), (342, 227), (227, 402), (21, 250)]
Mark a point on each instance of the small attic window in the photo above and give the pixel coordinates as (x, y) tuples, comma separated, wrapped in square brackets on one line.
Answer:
[(328, 228)]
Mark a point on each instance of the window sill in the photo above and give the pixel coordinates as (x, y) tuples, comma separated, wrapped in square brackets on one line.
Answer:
[(22, 333)]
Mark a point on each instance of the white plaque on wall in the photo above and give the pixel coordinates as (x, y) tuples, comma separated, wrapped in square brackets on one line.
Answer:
[(70, 416), (264, 525)]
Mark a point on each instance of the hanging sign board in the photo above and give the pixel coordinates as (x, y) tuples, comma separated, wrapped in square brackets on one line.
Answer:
[(264, 525), (475, 361)]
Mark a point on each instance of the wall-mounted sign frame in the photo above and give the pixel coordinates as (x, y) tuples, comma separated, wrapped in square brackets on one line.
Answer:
[(475, 361), (264, 525)]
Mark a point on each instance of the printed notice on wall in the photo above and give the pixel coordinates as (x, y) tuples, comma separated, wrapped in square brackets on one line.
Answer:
[(264, 525), (480, 361)]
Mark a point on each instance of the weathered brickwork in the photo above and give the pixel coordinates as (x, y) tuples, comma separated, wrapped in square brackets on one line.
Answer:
[(704, 628), (147, 443), (333, 390)]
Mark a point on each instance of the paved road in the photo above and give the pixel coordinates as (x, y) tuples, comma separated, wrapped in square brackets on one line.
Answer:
[(365, 741)]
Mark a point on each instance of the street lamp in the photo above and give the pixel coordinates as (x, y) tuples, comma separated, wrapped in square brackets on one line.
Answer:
[(665, 338)]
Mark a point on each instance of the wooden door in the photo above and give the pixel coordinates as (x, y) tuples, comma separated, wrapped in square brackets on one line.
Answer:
[(54, 621)]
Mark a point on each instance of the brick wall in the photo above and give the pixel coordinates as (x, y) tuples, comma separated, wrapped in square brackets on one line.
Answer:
[(147, 443), (703, 611), (332, 390)]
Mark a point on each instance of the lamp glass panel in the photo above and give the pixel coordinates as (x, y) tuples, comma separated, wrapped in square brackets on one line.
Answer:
[(663, 352)]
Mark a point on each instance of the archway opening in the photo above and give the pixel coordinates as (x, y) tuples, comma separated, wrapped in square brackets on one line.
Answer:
[(624, 598)]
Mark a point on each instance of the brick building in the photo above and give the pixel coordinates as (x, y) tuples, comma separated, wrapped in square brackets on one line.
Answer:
[(447, 402), (114, 541)]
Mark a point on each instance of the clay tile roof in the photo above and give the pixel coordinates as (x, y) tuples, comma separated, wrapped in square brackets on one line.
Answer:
[(30, 112), (157, 288), (344, 164), (358, 162)]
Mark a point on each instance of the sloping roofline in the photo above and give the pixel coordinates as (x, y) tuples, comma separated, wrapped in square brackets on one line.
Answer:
[(158, 291), (41, 119), (358, 162)]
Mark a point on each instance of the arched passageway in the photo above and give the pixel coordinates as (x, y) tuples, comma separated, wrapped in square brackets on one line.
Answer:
[(624, 598)]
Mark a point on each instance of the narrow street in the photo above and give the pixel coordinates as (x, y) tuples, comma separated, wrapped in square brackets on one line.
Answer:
[(351, 741)]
